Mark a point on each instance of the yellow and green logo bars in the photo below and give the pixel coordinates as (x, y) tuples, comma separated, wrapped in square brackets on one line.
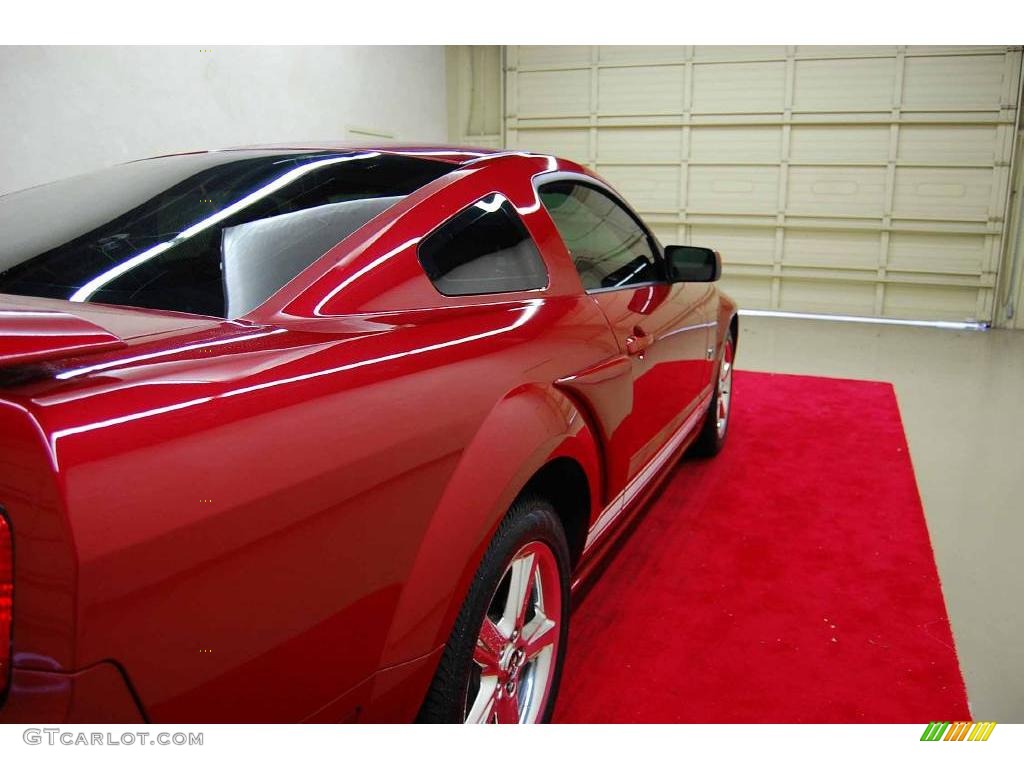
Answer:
[(958, 731)]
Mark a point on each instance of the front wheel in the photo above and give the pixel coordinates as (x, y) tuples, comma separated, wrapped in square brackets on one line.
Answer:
[(716, 424), (503, 661)]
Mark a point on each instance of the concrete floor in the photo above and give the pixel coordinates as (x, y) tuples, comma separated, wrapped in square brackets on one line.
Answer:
[(961, 396)]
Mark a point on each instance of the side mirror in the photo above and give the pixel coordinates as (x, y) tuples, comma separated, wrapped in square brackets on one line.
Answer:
[(690, 264)]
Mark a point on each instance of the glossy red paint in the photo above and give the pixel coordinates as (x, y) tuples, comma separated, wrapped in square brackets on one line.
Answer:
[(6, 591), (277, 518)]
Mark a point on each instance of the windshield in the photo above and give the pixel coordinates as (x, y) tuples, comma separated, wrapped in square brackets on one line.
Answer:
[(213, 233)]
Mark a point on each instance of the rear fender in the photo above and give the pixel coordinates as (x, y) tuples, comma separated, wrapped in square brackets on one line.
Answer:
[(528, 428)]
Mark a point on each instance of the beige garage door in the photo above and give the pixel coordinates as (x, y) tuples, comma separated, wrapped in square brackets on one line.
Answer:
[(866, 181)]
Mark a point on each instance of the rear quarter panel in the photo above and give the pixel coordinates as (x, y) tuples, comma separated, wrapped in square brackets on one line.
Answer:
[(259, 531)]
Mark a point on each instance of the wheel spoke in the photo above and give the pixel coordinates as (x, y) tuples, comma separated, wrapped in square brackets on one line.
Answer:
[(483, 708), (540, 634), (489, 645), (520, 589)]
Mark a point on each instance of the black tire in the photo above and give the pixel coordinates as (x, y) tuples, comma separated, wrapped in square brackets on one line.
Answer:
[(711, 440), (531, 523)]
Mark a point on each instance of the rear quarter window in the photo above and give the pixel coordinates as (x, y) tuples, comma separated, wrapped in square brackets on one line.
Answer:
[(483, 249)]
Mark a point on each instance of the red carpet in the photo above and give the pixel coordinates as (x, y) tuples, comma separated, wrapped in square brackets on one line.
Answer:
[(791, 579)]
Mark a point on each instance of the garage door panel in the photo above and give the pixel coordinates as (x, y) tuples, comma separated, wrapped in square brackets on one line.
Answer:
[(725, 189), (830, 296), (738, 245), (937, 302), (733, 52), (831, 249), (943, 193), (739, 87), (640, 90), (647, 188), (747, 291), (959, 82), (564, 142), (845, 51), (633, 54), (938, 254), (639, 144), (919, 49), (758, 144), (554, 93), (839, 143), (844, 84), (553, 55), (839, 191), (852, 179), (954, 144)]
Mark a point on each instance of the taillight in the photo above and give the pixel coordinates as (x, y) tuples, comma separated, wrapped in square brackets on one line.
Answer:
[(6, 595)]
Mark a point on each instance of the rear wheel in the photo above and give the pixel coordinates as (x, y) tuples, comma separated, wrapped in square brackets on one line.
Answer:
[(503, 661), (716, 423)]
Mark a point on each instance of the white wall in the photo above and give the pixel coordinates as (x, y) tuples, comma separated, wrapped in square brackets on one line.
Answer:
[(66, 110), (476, 95)]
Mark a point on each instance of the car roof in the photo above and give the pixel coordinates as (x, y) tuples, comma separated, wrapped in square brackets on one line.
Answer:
[(447, 153), (442, 152)]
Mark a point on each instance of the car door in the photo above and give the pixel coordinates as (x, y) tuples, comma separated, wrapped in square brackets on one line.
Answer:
[(662, 327)]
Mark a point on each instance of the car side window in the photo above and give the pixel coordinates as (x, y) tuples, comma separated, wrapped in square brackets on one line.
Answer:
[(609, 248), (484, 248)]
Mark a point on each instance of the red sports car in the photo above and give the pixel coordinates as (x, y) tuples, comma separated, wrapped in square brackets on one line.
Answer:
[(324, 433)]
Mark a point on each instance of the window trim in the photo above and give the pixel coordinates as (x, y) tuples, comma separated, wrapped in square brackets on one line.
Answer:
[(459, 212), (550, 177)]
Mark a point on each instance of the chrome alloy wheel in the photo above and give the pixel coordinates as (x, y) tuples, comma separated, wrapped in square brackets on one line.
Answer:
[(515, 653), (724, 389)]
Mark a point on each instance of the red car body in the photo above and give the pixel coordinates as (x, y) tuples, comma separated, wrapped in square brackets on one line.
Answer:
[(276, 518)]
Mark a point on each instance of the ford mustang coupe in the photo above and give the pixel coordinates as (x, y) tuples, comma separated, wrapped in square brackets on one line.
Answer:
[(330, 434)]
